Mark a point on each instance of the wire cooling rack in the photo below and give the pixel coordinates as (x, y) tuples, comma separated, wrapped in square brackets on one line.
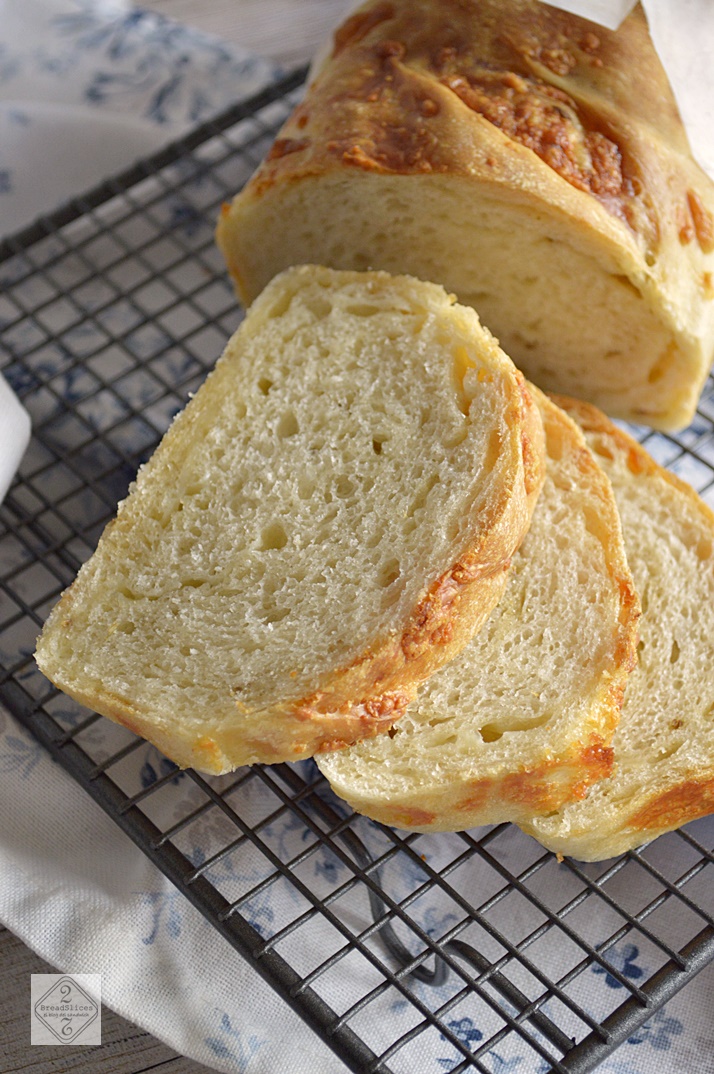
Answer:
[(466, 949)]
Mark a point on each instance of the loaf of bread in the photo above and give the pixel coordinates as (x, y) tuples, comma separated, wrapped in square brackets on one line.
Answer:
[(522, 719), (531, 162), (326, 523), (664, 745)]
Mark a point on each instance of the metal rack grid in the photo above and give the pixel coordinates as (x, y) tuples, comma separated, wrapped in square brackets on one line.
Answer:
[(462, 947)]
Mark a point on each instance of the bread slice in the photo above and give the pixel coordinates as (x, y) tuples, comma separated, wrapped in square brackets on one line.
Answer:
[(523, 717), (325, 524), (664, 745), (524, 158)]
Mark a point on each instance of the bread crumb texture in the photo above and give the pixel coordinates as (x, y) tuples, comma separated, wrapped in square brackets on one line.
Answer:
[(531, 162), (524, 716), (328, 521), (664, 745)]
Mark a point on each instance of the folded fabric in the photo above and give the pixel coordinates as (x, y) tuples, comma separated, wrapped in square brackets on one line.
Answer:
[(14, 434)]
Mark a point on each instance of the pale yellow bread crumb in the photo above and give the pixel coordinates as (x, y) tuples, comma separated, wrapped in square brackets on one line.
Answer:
[(326, 523)]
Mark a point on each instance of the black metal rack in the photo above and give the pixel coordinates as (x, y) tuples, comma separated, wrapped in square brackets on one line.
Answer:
[(467, 947)]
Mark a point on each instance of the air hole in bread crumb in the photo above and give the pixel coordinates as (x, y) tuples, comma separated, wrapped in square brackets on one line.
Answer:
[(389, 573), (705, 548), (362, 310), (627, 283), (494, 450), (594, 524), (377, 444), (264, 385), (273, 536), (664, 363), (665, 752), (489, 733), (602, 450), (451, 442), (281, 307), (272, 585), (276, 615), (343, 487), (306, 487), (554, 442), (674, 652), (288, 425), (319, 307), (419, 501), (463, 363)]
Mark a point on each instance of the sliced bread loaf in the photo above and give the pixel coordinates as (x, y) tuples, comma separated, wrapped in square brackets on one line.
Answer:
[(326, 523), (522, 157), (664, 745), (523, 717)]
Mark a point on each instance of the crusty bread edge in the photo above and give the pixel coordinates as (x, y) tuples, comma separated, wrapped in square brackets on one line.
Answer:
[(562, 778), (689, 799), (366, 697)]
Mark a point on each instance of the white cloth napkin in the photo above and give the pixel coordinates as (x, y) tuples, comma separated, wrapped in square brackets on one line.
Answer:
[(87, 87), (608, 13), (683, 33), (79, 893), (14, 434)]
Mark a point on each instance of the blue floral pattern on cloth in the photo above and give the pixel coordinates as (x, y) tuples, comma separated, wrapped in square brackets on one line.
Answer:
[(95, 84), (20, 754), (658, 1031), (156, 767), (623, 959), (228, 1042), (165, 909), (147, 59), (129, 60)]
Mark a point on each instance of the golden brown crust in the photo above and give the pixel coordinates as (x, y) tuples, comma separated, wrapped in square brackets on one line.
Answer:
[(676, 796), (545, 117), (535, 790), (639, 461), (676, 806), (366, 697), (588, 102), (483, 790)]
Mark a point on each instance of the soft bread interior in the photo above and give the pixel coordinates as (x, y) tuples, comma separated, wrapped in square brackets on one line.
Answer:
[(518, 720), (664, 746), (360, 435), (570, 309)]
